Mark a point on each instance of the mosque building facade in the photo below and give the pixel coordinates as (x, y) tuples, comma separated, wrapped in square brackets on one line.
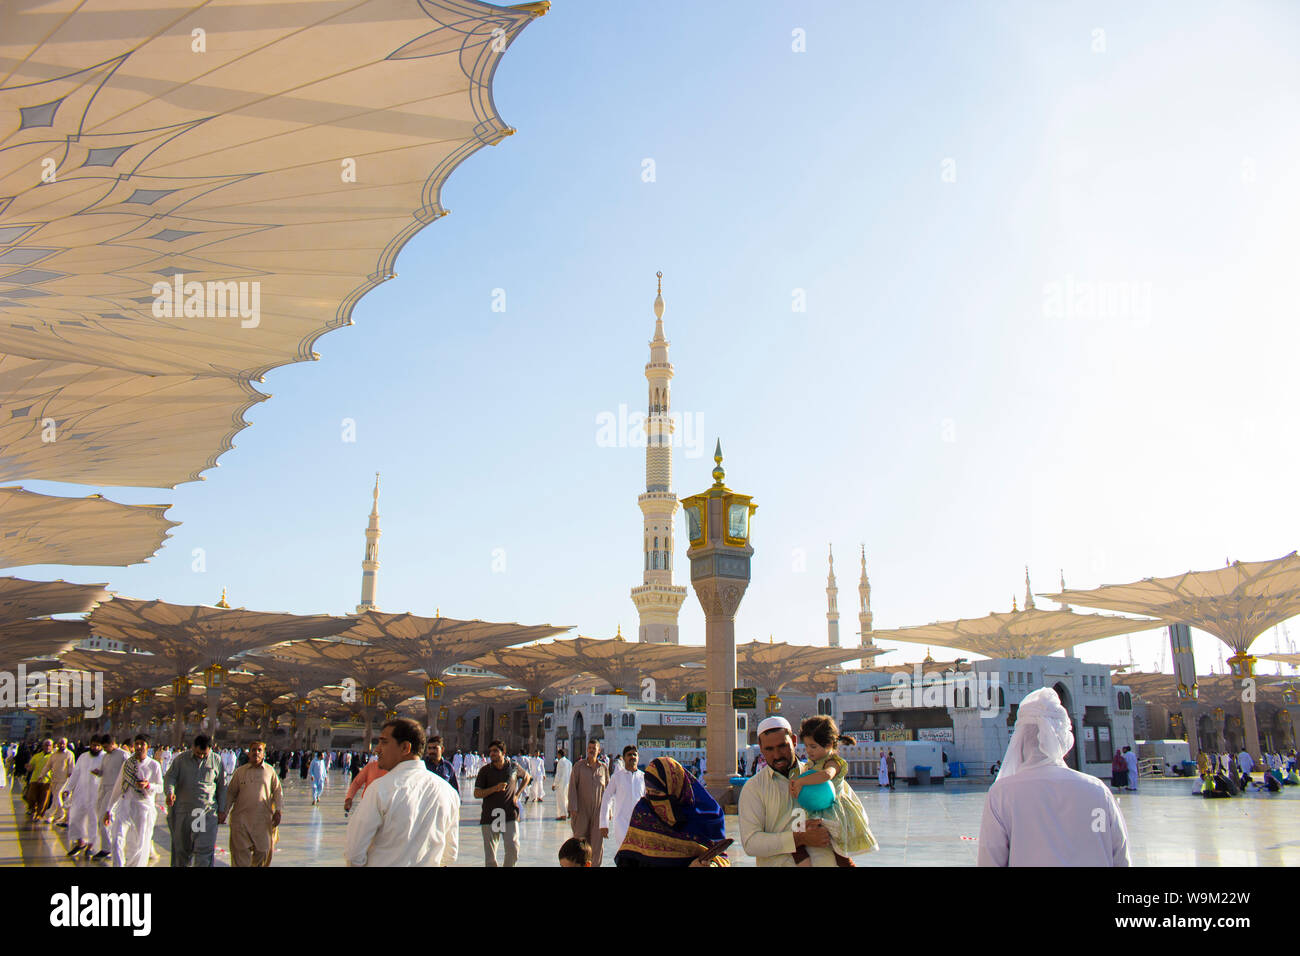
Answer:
[(969, 708)]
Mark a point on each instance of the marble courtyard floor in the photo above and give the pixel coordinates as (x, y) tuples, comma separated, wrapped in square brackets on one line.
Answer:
[(937, 826)]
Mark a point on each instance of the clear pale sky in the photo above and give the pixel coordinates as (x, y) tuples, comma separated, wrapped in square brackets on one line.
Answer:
[(953, 396)]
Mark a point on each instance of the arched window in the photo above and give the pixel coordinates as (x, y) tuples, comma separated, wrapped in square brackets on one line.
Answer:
[(1002, 698), (654, 560), (668, 564)]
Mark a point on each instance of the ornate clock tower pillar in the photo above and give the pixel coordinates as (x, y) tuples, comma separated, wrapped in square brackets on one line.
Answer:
[(717, 523)]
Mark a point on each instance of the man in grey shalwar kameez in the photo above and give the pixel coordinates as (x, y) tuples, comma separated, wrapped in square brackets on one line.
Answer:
[(195, 785)]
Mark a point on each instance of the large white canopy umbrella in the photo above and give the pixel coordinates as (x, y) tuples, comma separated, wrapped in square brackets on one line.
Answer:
[(1018, 633), (20, 598), (42, 529), (1236, 604), (192, 193)]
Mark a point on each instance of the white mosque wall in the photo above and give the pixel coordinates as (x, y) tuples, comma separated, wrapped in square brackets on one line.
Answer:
[(655, 728), (969, 709)]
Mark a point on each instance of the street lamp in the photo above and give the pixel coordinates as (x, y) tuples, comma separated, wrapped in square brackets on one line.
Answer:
[(717, 526)]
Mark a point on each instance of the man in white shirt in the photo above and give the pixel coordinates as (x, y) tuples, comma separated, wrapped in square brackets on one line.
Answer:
[(132, 812), (626, 787), (1130, 761), (408, 817), (770, 829), (563, 770), (1039, 812)]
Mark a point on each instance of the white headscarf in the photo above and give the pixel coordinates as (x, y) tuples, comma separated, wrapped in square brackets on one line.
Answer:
[(1043, 734)]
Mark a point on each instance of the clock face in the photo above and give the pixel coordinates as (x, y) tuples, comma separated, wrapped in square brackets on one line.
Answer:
[(738, 521), (693, 526)]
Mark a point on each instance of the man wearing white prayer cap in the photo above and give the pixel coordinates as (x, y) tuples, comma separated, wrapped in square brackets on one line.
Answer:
[(1039, 812), (770, 828)]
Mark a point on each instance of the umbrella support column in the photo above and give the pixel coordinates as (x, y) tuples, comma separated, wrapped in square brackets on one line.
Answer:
[(1243, 669)]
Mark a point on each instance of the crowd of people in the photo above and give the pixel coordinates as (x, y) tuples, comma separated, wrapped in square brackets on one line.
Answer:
[(402, 803), (1228, 775)]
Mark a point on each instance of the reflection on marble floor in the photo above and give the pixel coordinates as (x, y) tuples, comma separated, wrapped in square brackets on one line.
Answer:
[(932, 827)]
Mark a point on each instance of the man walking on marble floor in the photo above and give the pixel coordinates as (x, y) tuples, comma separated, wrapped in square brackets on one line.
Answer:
[(499, 784), (254, 802), (195, 786), (586, 791)]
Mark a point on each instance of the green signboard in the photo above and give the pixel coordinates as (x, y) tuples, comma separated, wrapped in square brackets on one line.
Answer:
[(697, 702), (744, 698)]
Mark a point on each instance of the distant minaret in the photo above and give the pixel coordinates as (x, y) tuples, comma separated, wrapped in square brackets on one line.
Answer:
[(370, 566), (1029, 594), (864, 601), (657, 600), (832, 611)]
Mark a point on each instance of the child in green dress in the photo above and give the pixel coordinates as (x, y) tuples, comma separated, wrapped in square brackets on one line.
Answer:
[(845, 818)]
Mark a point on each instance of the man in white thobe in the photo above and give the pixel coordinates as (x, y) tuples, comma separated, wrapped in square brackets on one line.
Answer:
[(1131, 761), (537, 770), (229, 761), (60, 769), (114, 757), (626, 787), (457, 765), (768, 830), (82, 791), (1246, 763), (1039, 812), (563, 770), (408, 817), (132, 812)]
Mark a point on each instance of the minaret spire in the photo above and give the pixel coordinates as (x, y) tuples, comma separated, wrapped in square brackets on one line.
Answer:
[(864, 604), (657, 599), (370, 564), (1069, 651), (832, 610), (1029, 595)]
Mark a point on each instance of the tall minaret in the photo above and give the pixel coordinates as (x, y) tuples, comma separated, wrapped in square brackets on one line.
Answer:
[(832, 611), (864, 602), (370, 566), (1029, 594), (657, 600)]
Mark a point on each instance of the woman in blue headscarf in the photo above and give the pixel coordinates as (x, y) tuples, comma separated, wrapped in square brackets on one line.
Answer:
[(674, 823)]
